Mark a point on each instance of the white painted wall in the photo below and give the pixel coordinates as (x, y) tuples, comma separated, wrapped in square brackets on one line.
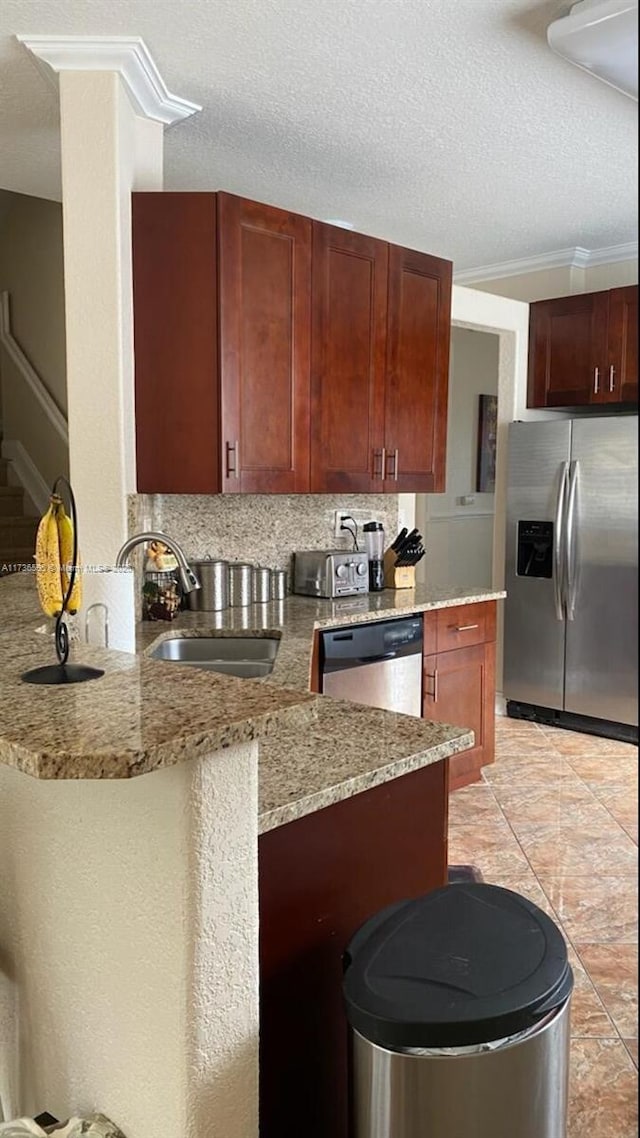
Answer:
[(474, 309), (106, 152), (545, 284), (31, 271), (129, 947), (460, 537), (611, 276)]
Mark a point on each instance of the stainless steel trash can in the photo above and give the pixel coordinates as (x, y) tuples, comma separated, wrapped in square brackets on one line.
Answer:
[(459, 1006)]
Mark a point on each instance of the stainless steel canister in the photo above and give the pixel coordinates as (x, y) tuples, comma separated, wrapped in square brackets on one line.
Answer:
[(279, 584), (261, 585), (213, 594), (240, 583)]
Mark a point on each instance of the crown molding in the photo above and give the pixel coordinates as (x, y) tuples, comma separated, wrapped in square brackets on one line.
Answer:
[(576, 258), (128, 55)]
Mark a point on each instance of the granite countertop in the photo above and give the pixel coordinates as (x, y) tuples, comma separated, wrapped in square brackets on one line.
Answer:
[(313, 750)]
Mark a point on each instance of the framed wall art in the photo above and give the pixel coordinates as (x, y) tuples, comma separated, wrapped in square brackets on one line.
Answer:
[(487, 433)]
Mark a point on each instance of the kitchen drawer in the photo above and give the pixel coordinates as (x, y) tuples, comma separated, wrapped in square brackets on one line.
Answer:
[(460, 627)]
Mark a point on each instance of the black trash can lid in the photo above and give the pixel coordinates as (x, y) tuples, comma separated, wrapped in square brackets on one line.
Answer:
[(463, 965)]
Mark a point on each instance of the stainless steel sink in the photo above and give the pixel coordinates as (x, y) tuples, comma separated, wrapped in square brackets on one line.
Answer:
[(244, 656)]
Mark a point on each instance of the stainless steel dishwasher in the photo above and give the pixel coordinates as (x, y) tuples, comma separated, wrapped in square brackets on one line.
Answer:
[(379, 664)]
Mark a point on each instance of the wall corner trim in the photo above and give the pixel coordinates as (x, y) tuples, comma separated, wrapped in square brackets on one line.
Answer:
[(129, 56)]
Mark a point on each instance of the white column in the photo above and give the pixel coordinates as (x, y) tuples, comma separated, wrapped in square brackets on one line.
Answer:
[(99, 147), (113, 107)]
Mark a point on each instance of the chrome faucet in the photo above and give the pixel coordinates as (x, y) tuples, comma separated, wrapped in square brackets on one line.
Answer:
[(188, 579)]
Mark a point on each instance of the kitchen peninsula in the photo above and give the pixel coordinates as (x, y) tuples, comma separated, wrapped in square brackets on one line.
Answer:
[(133, 902)]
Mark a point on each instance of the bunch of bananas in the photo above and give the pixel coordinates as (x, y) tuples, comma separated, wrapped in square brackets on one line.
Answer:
[(54, 560)]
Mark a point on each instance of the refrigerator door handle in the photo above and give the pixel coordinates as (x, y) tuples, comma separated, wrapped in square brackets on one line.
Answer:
[(558, 533), (572, 576)]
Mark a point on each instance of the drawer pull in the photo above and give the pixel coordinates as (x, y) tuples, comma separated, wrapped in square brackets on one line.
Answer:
[(464, 627), (433, 676)]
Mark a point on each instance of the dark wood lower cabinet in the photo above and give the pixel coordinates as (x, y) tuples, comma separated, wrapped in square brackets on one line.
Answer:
[(459, 681), (321, 877), (459, 688)]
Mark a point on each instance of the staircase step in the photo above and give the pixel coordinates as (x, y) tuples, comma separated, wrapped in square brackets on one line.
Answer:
[(11, 501), (17, 533), (13, 560)]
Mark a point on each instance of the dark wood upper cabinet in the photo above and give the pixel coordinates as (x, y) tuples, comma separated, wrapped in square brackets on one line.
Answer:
[(622, 374), (417, 372), (265, 303), (583, 349), (347, 360), (276, 355), (175, 301), (380, 364)]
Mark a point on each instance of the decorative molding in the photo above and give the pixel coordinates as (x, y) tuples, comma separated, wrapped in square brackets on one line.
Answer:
[(27, 473), (577, 258), (30, 376), (128, 55)]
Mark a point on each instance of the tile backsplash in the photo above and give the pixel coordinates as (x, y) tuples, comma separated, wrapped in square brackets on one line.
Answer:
[(262, 528)]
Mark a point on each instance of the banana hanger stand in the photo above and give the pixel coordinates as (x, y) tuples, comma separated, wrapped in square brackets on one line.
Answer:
[(62, 672)]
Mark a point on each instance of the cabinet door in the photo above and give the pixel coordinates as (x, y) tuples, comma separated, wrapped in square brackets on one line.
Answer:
[(459, 688), (347, 360), (265, 296), (176, 343), (568, 350), (417, 372), (621, 380)]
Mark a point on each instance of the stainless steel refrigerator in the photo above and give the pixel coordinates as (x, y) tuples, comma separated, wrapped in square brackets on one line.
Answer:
[(571, 613)]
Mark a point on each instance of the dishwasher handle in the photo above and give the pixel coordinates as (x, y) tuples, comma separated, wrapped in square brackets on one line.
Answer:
[(346, 663)]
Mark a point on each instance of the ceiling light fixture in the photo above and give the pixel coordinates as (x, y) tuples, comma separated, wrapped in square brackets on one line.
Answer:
[(601, 36)]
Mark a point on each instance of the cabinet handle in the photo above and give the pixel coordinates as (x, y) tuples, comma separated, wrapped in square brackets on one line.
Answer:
[(596, 380), (433, 676), (464, 627), (394, 458), (232, 471), (612, 378), (379, 475)]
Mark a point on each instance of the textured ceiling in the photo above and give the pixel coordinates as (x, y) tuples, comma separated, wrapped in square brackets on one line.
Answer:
[(446, 125)]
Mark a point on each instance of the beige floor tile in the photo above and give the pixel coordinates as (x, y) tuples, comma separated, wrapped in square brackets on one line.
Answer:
[(566, 802), (601, 910), (614, 973), (621, 804), (524, 771), (573, 743), (631, 828), (578, 850), (473, 805), (504, 723), (493, 850), (508, 743), (632, 1047), (612, 770), (590, 1018), (603, 1098)]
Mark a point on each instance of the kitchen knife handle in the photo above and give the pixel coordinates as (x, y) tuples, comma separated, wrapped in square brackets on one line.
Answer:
[(400, 538)]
